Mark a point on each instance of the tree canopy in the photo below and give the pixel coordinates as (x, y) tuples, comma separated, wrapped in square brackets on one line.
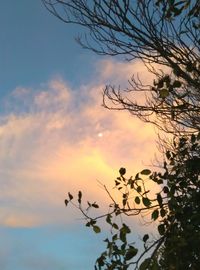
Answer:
[(158, 32), (165, 36), (175, 209)]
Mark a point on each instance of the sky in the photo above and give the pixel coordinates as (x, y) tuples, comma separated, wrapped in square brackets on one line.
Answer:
[(56, 137)]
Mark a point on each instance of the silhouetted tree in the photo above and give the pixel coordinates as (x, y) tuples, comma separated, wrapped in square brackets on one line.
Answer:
[(175, 209), (164, 35), (162, 32)]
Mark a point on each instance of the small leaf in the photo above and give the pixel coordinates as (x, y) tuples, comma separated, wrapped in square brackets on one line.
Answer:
[(100, 261), (70, 196), (137, 200), (132, 252), (145, 237), (160, 83), (162, 212), (177, 84), (165, 189), (160, 182), (137, 177), (95, 205), (124, 201), (66, 202), (89, 204), (115, 237), (164, 93), (122, 171), (193, 138), (92, 222), (108, 218), (79, 196), (96, 229), (122, 236), (115, 226), (88, 224), (146, 202), (155, 214), (125, 228), (159, 199), (139, 189), (123, 247), (161, 229), (117, 183), (145, 172)]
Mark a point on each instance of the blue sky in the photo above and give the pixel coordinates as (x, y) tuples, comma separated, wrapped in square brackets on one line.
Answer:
[(45, 248), (55, 137), (35, 46)]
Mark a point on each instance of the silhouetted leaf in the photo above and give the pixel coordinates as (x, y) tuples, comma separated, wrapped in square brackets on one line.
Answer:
[(165, 189), (193, 138), (70, 196), (137, 200), (145, 237), (96, 229), (160, 182), (117, 183), (155, 214), (164, 93), (162, 212), (108, 219), (66, 202), (159, 199), (125, 198), (88, 224), (95, 205), (145, 172), (177, 84), (161, 229), (115, 237), (146, 202), (132, 252), (126, 228), (137, 177), (122, 171), (115, 226), (122, 236), (79, 196)]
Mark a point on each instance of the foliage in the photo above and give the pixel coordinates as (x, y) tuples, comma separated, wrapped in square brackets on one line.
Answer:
[(175, 209), (173, 8), (164, 35)]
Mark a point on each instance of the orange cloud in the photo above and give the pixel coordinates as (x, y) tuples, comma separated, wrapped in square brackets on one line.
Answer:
[(57, 140), (118, 72)]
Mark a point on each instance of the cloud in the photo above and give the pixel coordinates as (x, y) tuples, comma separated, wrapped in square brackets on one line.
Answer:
[(54, 139), (113, 71)]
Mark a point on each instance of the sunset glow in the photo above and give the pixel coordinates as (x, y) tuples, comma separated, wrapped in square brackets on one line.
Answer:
[(56, 137)]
